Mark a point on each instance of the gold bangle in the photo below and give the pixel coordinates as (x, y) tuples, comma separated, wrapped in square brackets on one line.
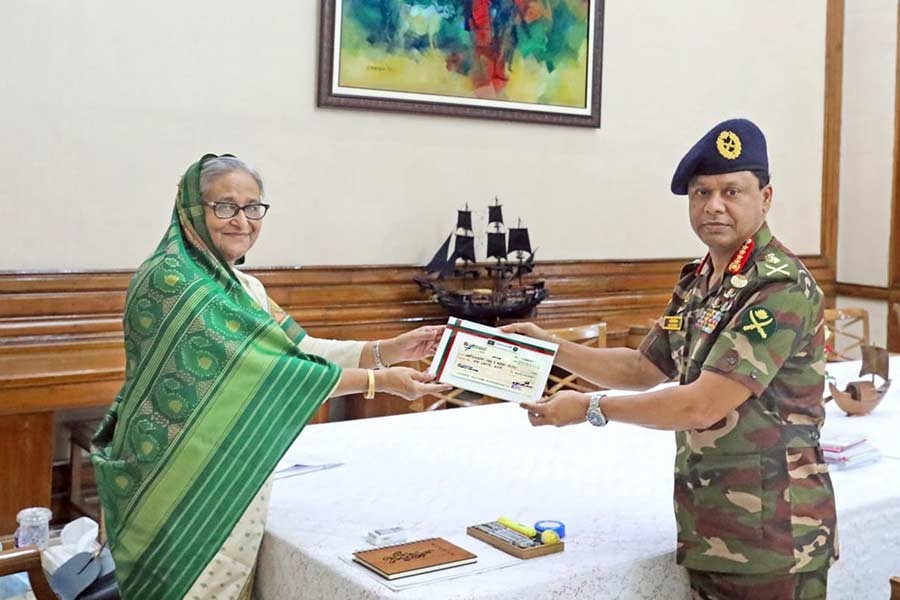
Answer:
[(370, 393)]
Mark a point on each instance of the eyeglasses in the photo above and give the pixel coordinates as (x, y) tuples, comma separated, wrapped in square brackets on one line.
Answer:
[(226, 210)]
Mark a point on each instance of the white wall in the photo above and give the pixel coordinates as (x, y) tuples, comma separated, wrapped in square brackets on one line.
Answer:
[(867, 141), (103, 104), (867, 151)]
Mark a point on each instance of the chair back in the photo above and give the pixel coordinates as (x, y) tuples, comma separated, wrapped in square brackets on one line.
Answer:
[(587, 335), (846, 330), (593, 335), (896, 309), (27, 559)]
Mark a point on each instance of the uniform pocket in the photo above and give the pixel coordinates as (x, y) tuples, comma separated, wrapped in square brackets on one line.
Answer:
[(813, 518), (727, 494)]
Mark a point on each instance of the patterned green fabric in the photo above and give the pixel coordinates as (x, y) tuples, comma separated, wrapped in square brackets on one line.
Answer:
[(752, 492), (215, 391)]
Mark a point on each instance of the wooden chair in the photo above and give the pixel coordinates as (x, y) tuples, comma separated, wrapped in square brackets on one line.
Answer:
[(28, 560), (593, 335), (456, 397), (895, 581), (896, 309), (80, 434), (846, 330)]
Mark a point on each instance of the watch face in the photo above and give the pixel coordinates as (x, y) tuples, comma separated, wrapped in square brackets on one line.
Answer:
[(594, 418)]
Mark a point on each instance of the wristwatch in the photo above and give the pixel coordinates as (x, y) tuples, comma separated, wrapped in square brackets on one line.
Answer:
[(595, 416)]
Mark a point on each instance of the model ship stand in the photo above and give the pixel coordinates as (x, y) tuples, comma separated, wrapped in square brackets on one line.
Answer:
[(861, 397), (455, 280)]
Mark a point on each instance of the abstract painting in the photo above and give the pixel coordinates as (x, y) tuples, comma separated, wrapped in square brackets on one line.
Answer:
[(526, 60)]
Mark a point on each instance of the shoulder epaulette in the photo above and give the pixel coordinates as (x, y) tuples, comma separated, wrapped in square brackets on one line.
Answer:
[(773, 265)]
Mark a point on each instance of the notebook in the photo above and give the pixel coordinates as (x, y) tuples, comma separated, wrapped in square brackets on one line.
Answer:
[(839, 442), (414, 558)]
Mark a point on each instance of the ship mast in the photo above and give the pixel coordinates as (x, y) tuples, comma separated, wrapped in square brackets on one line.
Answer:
[(520, 244), (496, 240), (464, 246)]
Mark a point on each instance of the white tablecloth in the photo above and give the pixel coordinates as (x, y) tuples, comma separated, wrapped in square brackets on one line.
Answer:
[(436, 473)]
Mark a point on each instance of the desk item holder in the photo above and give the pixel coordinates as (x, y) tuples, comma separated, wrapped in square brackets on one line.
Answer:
[(512, 542)]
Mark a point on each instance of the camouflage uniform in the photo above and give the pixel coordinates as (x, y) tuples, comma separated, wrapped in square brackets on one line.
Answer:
[(809, 585), (752, 492)]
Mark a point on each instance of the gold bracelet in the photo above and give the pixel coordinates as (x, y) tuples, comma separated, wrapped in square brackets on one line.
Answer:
[(371, 391)]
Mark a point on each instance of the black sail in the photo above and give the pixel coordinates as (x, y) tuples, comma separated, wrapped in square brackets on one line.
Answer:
[(439, 262), (518, 240), (465, 247), (496, 244), (495, 214), (464, 219)]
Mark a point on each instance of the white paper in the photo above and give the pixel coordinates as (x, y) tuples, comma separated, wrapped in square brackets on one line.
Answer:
[(488, 361), (293, 464)]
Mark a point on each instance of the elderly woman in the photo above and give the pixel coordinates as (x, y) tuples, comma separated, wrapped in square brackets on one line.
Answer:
[(219, 382)]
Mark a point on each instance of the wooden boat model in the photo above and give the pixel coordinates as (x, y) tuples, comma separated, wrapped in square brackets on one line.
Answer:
[(861, 397), (456, 281)]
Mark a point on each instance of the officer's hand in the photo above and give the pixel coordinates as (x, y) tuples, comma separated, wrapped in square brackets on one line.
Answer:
[(529, 329), (562, 408)]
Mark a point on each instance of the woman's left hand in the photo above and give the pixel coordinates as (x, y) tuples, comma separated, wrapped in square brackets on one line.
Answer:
[(412, 345)]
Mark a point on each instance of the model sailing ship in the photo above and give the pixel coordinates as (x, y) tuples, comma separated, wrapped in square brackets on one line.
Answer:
[(455, 279), (861, 397)]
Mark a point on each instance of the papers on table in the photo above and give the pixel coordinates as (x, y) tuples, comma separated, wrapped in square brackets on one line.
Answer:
[(488, 361), (293, 464), (848, 450)]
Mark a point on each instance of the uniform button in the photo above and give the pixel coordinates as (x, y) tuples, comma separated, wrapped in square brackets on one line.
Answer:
[(754, 374), (731, 358)]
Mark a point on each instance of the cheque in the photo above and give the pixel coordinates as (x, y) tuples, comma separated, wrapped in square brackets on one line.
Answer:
[(488, 361)]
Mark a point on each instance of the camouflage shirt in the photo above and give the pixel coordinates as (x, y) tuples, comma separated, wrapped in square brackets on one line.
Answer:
[(752, 492)]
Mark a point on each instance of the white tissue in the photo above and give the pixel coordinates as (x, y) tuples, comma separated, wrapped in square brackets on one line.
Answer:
[(78, 536), (81, 534)]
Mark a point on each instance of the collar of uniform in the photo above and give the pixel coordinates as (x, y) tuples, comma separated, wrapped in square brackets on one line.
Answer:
[(703, 267), (762, 237), (739, 259)]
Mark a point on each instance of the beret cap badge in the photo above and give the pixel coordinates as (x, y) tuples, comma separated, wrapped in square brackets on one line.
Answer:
[(731, 146), (728, 144)]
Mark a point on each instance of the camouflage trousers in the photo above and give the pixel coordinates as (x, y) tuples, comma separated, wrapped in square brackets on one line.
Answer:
[(708, 585)]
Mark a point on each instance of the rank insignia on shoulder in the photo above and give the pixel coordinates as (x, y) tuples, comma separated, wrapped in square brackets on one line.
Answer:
[(758, 321), (776, 270), (772, 259), (739, 281), (672, 323)]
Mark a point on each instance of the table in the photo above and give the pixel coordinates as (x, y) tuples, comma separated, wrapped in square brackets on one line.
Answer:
[(436, 473)]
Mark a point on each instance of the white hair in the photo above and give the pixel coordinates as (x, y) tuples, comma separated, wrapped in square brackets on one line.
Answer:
[(222, 165)]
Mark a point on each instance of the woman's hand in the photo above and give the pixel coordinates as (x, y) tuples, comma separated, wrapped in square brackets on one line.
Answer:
[(412, 345), (529, 329), (562, 408), (408, 383)]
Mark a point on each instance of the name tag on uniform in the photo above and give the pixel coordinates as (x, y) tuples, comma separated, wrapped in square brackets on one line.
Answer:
[(672, 323)]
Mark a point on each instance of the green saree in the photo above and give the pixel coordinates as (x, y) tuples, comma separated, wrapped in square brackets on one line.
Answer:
[(215, 392)]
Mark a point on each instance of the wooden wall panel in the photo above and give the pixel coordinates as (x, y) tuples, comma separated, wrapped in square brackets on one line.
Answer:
[(831, 151), (25, 464), (61, 333)]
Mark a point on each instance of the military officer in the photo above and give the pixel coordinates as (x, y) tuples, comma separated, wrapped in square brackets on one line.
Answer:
[(743, 335)]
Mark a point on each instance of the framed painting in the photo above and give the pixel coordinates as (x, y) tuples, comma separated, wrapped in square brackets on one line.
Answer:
[(520, 60)]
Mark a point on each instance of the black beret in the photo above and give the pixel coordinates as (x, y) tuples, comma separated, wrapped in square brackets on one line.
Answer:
[(733, 145)]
